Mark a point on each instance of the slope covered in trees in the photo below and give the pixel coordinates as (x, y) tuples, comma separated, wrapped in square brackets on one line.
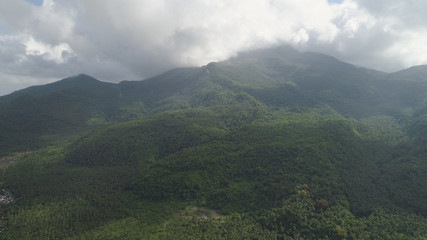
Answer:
[(272, 144)]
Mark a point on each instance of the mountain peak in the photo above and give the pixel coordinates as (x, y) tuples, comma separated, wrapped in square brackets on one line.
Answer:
[(279, 51), (80, 78), (81, 81), (415, 73)]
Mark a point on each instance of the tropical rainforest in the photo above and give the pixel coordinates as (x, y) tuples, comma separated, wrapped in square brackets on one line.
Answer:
[(270, 144)]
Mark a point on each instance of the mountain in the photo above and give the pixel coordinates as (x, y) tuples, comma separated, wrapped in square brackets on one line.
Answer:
[(66, 106), (415, 73), (270, 144), (278, 77)]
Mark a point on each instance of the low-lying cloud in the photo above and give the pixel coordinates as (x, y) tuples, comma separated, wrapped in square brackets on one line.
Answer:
[(135, 39)]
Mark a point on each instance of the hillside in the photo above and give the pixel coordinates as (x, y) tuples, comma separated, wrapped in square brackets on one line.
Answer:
[(68, 106), (271, 144), (280, 77)]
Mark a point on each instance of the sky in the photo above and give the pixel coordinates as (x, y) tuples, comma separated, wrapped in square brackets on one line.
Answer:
[(42, 41)]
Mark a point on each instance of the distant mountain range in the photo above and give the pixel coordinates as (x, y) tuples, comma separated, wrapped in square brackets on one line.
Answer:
[(271, 144), (278, 77)]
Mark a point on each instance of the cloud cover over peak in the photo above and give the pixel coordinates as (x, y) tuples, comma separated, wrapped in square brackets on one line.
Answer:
[(135, 39)]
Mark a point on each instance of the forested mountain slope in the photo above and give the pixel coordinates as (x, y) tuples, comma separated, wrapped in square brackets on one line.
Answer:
[(280, 77), (271, 144), (64, 107)]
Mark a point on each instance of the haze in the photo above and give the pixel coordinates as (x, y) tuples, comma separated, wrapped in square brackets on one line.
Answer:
[(44, 40)]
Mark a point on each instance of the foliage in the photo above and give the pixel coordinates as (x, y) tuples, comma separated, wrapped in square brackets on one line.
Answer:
[(271, 144)]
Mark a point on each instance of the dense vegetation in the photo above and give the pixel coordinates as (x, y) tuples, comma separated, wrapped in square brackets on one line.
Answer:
[(273, 144)]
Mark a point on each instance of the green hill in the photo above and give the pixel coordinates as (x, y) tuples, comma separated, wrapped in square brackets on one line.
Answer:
[(279, 77), (271, 144), (65, 107)]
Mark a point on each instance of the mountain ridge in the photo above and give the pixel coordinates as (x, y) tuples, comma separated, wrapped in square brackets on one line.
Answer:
[(278, 77), (276, 144)]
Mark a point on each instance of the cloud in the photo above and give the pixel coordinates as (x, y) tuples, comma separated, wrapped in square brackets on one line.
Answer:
[(135, 39), (58, 53)]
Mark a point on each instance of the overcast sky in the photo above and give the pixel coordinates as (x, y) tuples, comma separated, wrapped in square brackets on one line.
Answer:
[(45, 40)]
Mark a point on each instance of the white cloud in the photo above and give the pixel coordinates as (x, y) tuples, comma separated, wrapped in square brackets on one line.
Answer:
[(407, 43), (134, 39), (58, 53)]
